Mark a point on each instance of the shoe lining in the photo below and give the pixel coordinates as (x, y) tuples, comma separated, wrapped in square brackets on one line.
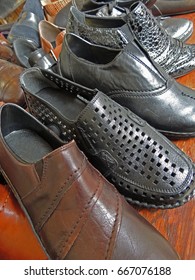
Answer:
[(69, 105), (28, 145)]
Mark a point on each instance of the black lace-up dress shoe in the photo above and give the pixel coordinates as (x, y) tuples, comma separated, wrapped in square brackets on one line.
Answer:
[(143, 164)]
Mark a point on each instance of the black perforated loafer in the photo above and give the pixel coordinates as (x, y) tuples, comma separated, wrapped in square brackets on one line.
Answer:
[(144, 165)]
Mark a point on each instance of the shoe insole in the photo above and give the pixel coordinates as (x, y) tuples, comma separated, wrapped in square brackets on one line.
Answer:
[(28, 145), (69, 105)]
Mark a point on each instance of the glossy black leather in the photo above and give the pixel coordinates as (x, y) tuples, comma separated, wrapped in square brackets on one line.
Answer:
[(175, 57), (29, 55), (143, 164), (90, 6), (129, 77)]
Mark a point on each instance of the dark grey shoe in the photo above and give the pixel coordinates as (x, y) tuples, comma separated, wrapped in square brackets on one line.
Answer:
[(129, 77), (175, 57), (144, 166)]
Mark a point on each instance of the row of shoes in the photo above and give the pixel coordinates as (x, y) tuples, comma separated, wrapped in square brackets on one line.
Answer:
[(82, 126)]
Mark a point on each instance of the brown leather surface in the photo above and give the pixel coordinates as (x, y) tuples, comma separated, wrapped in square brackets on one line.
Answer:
[(17, 240), (51, 37), (10, 90), (6, 51), (75, 211)]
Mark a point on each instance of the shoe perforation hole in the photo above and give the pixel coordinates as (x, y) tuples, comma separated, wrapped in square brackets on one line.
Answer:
[(135, 167), (173, 174), (157, 173), (181, 170), (164, 178)]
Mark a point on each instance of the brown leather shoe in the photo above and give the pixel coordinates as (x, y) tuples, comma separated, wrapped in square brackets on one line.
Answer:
[(10, 90), (173, 7), (74, 211), (6, 52), (17, 240)]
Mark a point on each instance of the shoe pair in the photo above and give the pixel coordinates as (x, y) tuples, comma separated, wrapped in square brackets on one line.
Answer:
[(178, 28), (137, 23)]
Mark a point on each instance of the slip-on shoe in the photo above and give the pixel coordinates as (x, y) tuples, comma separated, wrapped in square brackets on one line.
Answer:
[(143, 164), (130, 78), (74, 211), (175, 57)]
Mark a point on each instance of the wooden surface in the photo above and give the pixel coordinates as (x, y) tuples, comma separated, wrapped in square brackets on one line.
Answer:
[(178, 225)]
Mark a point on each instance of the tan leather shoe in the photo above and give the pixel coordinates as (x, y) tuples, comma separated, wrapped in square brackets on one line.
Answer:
[(17, 240), (51, 37), (10, 90), (74, 211)]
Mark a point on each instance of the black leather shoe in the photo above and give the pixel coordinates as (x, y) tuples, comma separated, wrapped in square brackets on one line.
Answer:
[(175, 57), (93, 6), (178, 28), (145, 167), (134, 81), (173, 7)]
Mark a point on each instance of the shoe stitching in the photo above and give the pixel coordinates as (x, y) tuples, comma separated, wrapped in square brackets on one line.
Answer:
[(113, 235), (46, 215), (5, 201), (65, 241)]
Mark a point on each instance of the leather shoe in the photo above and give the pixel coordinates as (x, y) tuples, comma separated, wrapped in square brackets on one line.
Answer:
[(29, 55), (175, 57), (6, 51), (73, 210), (51, 37), (178, 28), (130, 78), (173, 7), (17, 241), (144, 166), (10, 90)]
